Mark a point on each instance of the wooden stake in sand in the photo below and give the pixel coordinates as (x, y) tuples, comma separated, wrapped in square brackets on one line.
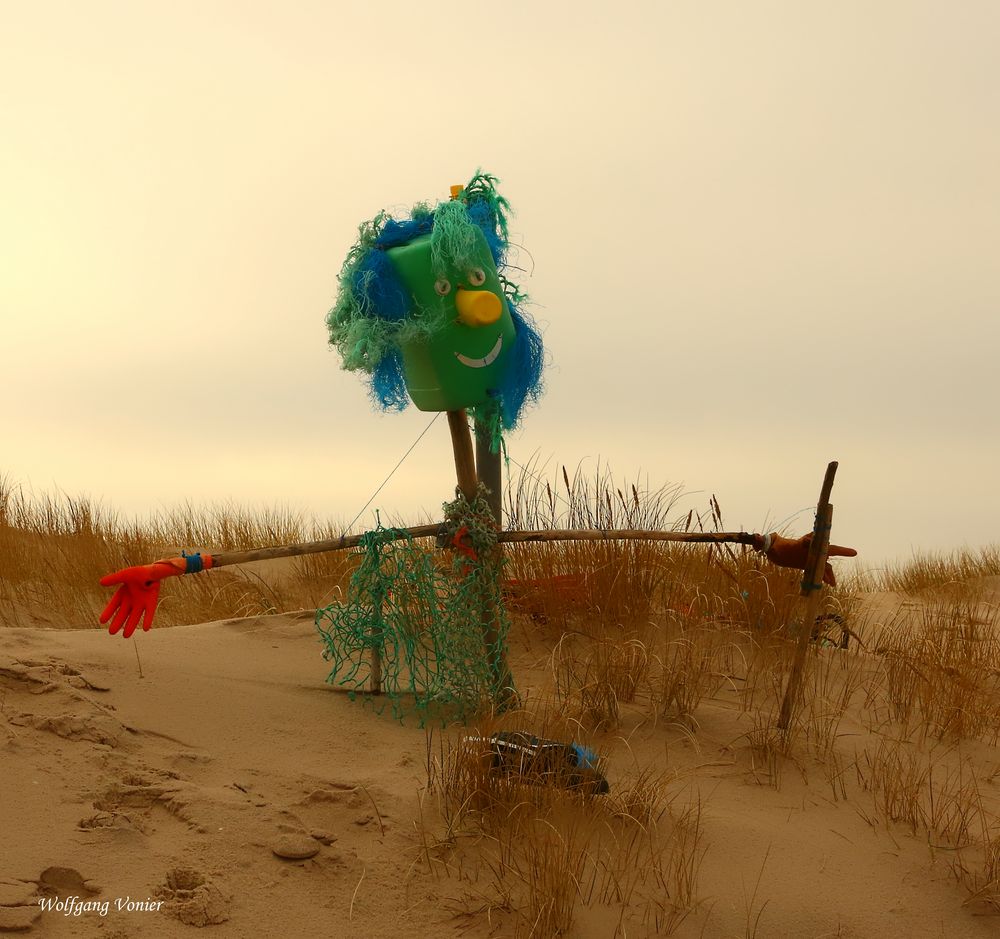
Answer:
[(812, 589), (490, 471), (465, 460), (375, 663), (504, 694)]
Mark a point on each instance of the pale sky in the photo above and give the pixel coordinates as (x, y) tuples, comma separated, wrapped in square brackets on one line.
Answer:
[(760, 236)]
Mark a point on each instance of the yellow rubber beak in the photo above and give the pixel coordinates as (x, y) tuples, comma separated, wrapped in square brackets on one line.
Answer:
[(477, 307)]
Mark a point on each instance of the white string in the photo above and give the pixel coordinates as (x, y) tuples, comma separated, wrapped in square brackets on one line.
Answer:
[(386, 480)]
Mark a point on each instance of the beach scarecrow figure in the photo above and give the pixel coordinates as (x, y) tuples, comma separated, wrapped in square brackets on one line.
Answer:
[(427, 311)]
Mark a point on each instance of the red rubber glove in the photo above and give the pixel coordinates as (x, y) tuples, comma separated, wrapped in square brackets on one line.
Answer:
[(789, 552), (137, 593), (462, 543)]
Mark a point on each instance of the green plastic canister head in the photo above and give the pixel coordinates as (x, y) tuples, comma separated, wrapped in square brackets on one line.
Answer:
[(459, 364)]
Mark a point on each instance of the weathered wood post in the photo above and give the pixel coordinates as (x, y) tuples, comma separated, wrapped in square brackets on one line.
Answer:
[(465, 460), (504, 695), (375, 653), (812, 589), (490, 471)]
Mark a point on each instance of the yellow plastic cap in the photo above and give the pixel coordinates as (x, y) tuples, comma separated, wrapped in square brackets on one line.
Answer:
[(456, 191), (478, 307)]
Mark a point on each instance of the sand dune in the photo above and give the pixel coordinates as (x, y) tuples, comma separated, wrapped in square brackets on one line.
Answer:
[(173, 790), (178, 785)]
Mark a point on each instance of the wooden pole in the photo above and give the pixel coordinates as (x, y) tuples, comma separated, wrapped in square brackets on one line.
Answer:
[(465, 460), (812, 588), (375, 675), (315, 547), (490, 471), (504, 695), (626, 534), (436, 529)]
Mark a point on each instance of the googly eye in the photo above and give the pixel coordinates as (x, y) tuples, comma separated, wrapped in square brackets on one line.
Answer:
[(442, 287), (477, 277)]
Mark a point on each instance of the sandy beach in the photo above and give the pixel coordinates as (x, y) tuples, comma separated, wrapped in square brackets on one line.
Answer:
[(180, 787)]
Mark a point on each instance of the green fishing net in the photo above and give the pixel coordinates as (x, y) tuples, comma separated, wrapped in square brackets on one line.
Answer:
[(428, 626)]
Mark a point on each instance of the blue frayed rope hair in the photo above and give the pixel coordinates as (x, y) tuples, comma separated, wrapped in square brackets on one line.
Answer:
[(374, 314)]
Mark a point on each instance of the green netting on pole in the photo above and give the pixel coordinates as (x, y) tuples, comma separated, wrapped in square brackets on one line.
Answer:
[(423, 617)]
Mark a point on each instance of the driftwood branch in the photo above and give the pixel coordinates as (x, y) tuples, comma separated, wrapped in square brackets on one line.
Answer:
[(315, 547), (438, 529), (627, 534)]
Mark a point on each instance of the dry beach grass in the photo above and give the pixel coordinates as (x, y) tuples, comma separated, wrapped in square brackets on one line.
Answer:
[(55, 548), (878, 809)]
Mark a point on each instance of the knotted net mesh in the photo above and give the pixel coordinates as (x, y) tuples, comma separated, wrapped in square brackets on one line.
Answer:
[(428, 627)]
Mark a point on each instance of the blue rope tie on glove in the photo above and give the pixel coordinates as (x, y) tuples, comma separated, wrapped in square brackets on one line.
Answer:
[(195, 565)]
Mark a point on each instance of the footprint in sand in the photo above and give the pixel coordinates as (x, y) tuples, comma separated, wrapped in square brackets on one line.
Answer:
[(62, 881), (335, 805), (129, 803), (46, 674), (97, 728), (62, 708), (192, 898)]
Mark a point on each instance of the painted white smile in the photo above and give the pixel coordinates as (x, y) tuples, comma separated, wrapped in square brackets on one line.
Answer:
[(487, 359)]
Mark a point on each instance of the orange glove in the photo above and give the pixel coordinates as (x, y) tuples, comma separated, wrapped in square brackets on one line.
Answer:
[(139, 589), (462, 543), (788, 552)]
